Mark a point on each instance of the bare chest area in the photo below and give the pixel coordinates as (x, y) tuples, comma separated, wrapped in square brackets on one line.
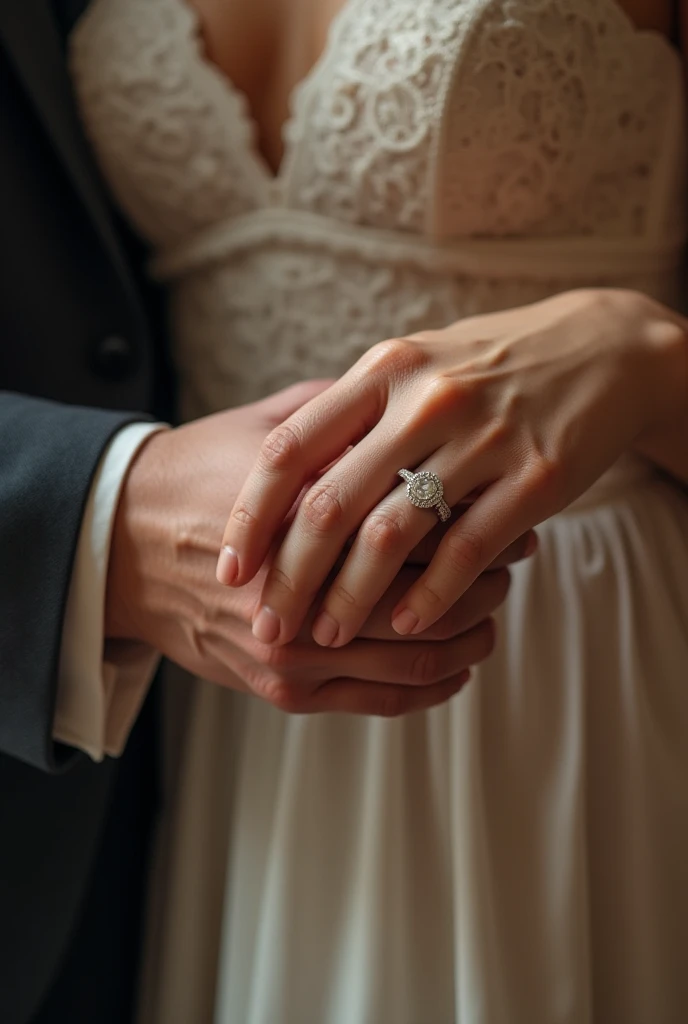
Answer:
[(266, 48)]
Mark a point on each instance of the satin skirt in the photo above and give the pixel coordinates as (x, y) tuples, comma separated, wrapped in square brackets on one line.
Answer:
[(518, 856)]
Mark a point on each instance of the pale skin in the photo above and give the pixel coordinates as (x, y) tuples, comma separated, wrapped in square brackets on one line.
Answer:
[(517, 412), (161, 587)]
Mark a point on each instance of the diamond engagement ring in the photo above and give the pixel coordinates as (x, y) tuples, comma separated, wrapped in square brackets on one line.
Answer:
[(425, 490)]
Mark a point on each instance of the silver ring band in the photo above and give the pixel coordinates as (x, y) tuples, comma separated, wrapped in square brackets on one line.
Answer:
[(425, 490)]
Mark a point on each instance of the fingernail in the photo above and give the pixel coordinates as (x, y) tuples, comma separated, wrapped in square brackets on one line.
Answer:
[(405, 621), (227, 566), (532, 544), (266, 625), (464, 677), (325, 629)]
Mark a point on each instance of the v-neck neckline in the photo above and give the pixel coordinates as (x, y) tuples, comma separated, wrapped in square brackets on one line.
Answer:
[(274, 180)]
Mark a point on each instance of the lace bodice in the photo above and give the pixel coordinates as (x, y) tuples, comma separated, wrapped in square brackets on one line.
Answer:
[(442, 157)]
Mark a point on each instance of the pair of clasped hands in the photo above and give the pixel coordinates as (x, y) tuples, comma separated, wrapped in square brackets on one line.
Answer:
[(339, 593)]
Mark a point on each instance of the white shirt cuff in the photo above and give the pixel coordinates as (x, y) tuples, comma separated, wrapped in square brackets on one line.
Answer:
[(101, 686)]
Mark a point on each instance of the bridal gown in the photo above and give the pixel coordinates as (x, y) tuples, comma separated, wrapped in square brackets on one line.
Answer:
[(520, 855)]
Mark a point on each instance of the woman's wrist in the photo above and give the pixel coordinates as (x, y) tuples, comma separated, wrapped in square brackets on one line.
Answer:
[(661, 340), (659, 344)]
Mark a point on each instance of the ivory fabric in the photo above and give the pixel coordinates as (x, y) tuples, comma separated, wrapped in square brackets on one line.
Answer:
[(517, 856)]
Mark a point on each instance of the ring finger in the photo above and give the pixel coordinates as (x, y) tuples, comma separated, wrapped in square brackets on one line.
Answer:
[(385, 539), (328, 515)]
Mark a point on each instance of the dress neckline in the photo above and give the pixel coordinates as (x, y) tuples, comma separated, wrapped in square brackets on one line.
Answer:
[(275, 181)]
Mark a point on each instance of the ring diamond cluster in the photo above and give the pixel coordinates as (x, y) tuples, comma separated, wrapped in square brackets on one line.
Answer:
[(425, 490)]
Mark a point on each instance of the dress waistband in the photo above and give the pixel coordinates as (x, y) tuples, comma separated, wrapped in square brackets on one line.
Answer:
[(522, 258)]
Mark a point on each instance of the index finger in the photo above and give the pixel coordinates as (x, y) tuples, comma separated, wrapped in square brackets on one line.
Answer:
[(292, 454)]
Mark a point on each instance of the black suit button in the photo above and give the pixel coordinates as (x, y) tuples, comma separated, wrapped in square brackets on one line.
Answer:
[(114, 358)]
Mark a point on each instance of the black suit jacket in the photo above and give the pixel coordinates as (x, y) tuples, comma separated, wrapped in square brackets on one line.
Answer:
[(79, 358)]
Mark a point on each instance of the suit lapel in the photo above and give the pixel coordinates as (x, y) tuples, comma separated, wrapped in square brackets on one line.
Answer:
[(32, 43)]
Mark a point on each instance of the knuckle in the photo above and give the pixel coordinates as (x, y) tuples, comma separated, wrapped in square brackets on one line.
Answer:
[(341, 593), (284, 696), (211, 619), (242, 515), (278, 659), (545, 478), (282, 448), (396, 357), (194, 634), (441, 398), (202, 623), (280, 583), (322, 507), (444, 394), (463, 550), (424, 667), (428, 595), (258, 677), (383, 532), (185, 540)]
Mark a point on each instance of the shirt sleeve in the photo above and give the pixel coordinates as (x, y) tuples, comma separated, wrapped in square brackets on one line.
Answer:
[(101, 684)]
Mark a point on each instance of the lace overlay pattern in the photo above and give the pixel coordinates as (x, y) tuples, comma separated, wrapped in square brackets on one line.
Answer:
[(555, 116), (427, 120), (458, 117), (171, 136), (364, 127), (276, 315)]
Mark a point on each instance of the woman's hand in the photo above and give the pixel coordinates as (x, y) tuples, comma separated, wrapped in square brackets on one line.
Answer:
[(161, 591), (517, 412)]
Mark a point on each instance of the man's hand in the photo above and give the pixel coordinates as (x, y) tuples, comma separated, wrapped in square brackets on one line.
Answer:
[(162, 588)]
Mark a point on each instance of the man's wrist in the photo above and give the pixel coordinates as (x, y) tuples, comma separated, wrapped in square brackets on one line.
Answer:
[(86, 692), (137, 525)]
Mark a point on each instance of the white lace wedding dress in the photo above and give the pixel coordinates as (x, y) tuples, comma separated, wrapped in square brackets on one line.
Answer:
[(519, 856)]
